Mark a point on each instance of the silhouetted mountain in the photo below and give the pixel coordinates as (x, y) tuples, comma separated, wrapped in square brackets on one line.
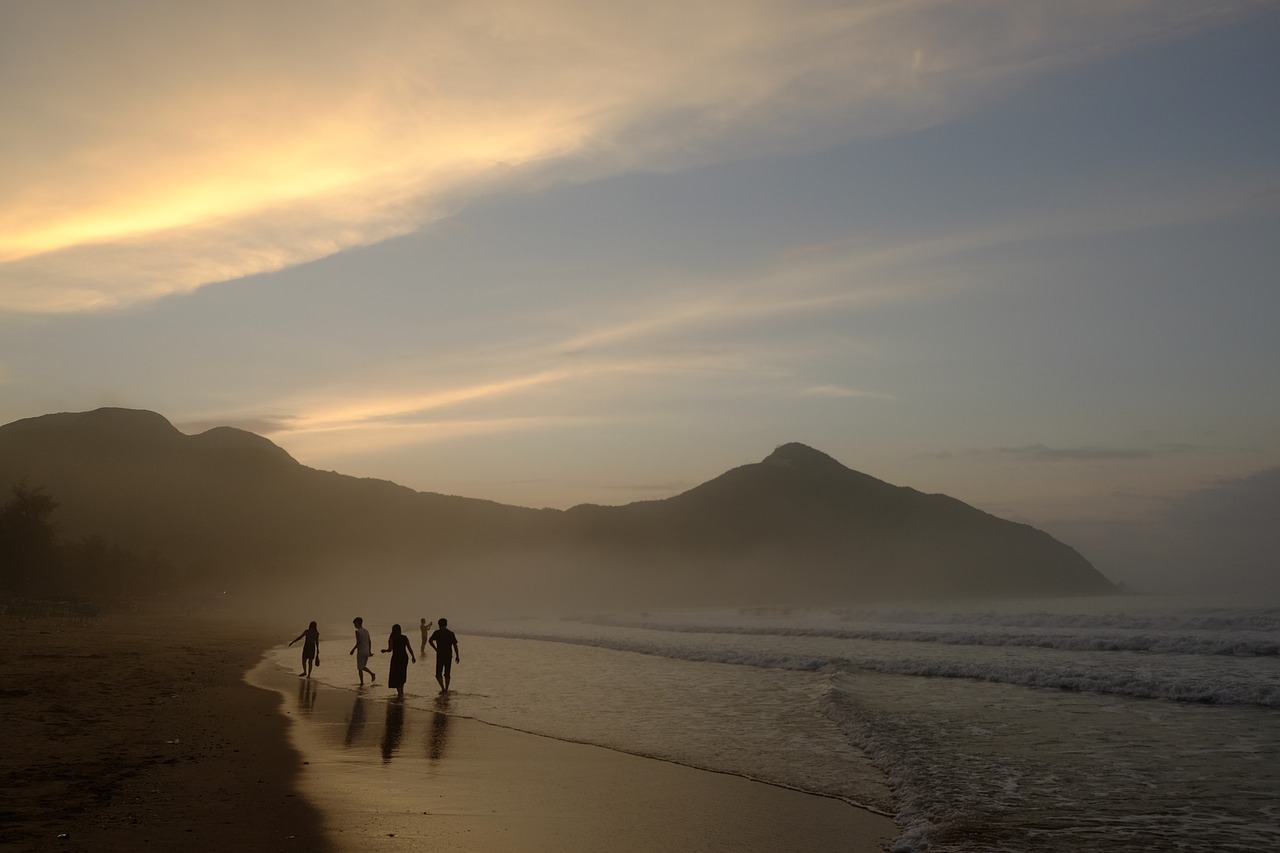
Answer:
[(802, 514), (234, 510)]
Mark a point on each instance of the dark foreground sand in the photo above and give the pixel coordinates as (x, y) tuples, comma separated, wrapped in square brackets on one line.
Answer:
[(141, 733), (129, 733)]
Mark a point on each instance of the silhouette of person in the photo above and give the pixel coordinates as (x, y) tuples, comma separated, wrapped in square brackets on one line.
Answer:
[(425, 627), (363, 650), (401, 651), (310, 649), (444, 641)]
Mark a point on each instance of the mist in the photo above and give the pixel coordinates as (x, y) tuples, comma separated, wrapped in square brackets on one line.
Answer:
[(1224, 538)]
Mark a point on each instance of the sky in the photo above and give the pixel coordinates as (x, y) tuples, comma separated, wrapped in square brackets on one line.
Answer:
[(1023, 253)]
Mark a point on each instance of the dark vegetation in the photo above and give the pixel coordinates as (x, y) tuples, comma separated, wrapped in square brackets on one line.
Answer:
[(234, 512), (39, 571)]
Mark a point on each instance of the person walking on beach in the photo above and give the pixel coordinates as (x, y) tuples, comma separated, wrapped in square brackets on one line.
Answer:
[(444, 641), (363, 649), (310, 649), (425, 627), (401, 651)]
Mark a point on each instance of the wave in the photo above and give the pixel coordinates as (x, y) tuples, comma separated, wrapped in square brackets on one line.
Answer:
[(1139, 674), (1255, 634)]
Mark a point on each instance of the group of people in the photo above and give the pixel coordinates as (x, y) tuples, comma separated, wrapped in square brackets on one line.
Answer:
[(442, 640)]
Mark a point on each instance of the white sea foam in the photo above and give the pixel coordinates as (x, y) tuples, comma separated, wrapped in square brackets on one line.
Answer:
[(938, 700), (1129, 665)]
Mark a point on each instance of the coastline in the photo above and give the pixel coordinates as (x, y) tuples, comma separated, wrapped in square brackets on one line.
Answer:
[(389, 776), (134, 731), (127, 731)]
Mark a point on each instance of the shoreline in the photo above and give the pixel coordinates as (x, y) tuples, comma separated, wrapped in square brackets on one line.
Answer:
[(387, 775), (127, 731), (133, 731)]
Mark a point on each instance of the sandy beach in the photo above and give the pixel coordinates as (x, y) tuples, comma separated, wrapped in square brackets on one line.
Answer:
[(129, 732)]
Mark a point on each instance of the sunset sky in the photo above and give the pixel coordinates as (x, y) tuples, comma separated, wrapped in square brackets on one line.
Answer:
[(1024, 253)]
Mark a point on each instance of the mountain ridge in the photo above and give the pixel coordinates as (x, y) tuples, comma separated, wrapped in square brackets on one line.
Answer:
[(232, 507)]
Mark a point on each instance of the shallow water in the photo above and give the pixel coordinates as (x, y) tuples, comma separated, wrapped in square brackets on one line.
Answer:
[(389, 775), (1112, 724)]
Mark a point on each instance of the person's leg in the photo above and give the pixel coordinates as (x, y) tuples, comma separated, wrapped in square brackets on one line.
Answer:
[(440, 662), (448, 671)]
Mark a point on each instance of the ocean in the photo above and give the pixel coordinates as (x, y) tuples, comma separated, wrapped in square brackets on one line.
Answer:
[(1120, 723)]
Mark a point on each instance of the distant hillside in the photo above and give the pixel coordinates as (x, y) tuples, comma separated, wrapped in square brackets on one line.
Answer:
[(234, 510), (802, 515)]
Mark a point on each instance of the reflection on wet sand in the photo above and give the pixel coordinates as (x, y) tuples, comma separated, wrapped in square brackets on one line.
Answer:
[(356, 723), (393, 731), (306, 696), (438, 732)]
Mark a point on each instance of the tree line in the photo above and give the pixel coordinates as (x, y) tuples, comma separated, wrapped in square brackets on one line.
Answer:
[(36, 562)]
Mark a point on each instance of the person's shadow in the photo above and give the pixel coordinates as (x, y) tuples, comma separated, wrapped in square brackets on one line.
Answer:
[(393, 730), (355, 725), (438, 733)]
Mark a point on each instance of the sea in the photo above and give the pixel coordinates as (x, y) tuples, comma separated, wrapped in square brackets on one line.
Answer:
[(1121, 723)]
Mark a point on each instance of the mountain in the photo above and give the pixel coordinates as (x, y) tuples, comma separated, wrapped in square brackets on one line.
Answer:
[(235, 511), (800, 514)]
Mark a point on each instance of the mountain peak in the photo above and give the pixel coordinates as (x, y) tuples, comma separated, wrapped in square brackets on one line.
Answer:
[(242, 444), (107, 420), (801, 457)]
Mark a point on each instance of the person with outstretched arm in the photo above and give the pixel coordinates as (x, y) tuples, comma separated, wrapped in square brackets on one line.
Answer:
[(444, 641), (310, 648)]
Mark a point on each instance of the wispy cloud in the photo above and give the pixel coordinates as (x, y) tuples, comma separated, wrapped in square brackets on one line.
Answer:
[(1045, 453), (153, 149), (840, 391), (356, 438), (704, 328)]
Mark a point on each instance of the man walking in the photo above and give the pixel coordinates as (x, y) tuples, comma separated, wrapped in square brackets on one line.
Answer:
[(444, 641), (362, 650)]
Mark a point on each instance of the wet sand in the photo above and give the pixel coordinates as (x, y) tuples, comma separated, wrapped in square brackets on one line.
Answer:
[(389, 776), (134, 733)]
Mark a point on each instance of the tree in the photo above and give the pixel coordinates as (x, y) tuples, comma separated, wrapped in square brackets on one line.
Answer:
[(28, 538)]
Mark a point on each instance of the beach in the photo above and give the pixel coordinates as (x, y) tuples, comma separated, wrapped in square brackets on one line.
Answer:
[(126, 732)]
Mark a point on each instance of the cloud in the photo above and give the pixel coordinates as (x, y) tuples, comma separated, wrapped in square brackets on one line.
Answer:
[(1221, 538), (699, 327), (153, 148), (840, 391), (678, 335), (356, 439), (258, 425), (1248, 504), (1080, 453), (1043, 453)]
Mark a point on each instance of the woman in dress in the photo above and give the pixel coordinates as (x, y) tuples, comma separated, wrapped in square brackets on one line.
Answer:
[(310, 648), (401, 652)]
